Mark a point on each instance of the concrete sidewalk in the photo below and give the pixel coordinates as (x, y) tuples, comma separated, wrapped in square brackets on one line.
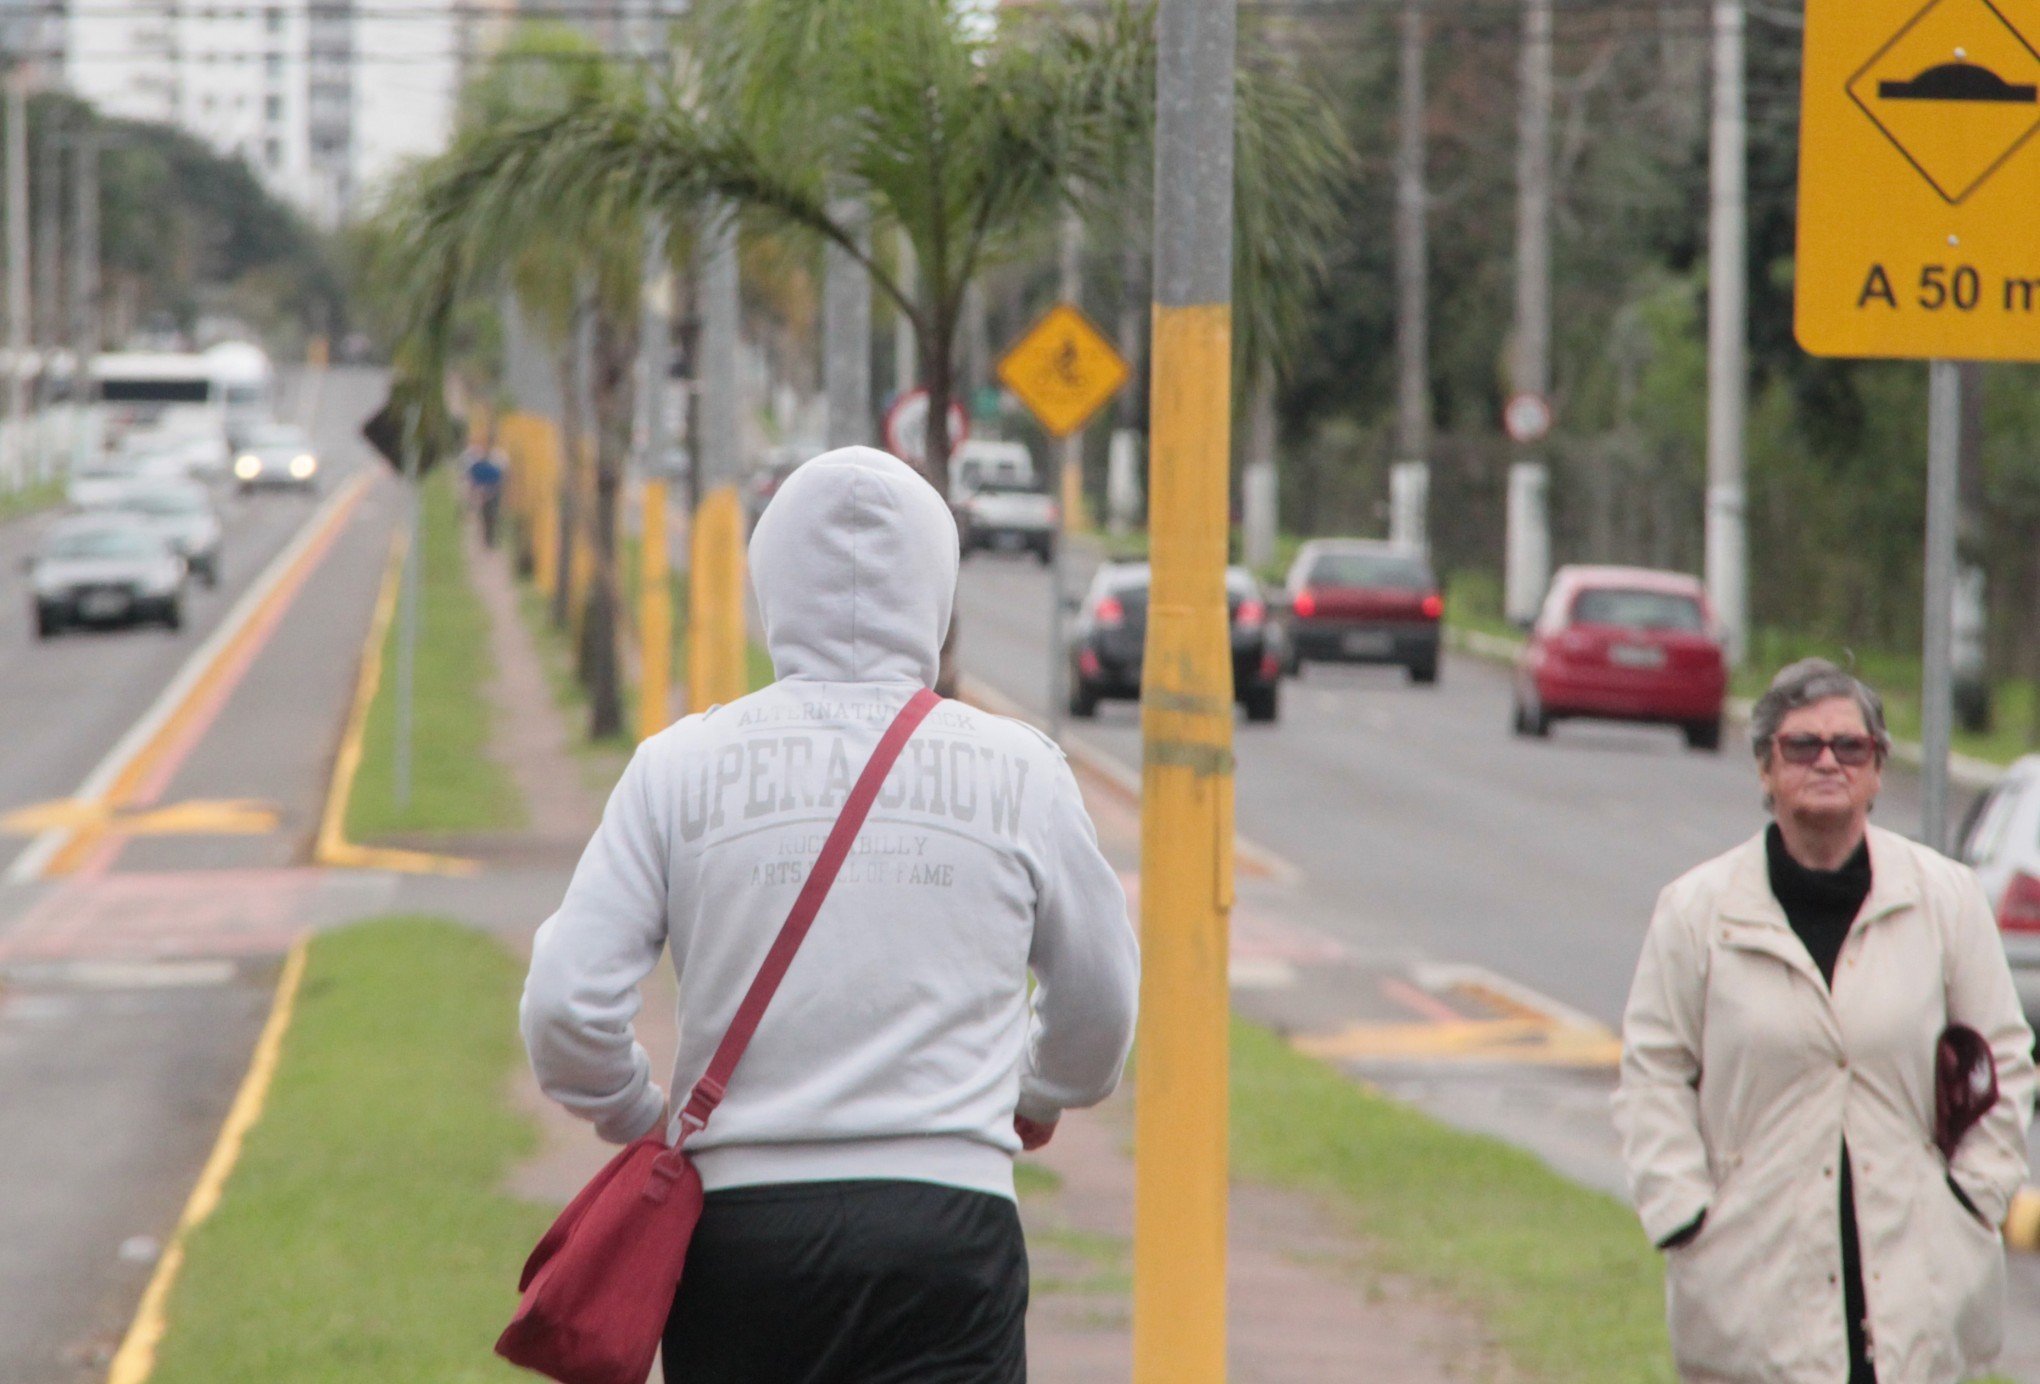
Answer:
[(1304, 1305)]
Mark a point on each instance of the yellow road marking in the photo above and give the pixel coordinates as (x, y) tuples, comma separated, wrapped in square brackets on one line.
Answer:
[(333, 847), (226, 817), (197, 701), (136, 1358), (1517, 1040)]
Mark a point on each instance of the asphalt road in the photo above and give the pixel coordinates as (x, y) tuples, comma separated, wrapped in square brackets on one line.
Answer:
[(1420, 831), (131, 993)]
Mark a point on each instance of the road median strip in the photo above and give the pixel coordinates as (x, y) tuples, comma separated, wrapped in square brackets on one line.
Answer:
[(140, 764)]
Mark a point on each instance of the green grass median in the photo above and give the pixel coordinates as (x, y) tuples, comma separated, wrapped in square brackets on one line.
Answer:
[(456, 787), (364, 1234)]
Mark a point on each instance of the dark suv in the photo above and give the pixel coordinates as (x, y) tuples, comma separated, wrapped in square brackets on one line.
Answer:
[(1110, 636)]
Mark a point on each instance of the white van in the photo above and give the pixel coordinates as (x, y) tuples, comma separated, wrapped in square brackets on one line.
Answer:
[(981, 461)]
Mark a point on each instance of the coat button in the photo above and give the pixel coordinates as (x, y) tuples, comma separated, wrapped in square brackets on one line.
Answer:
[(1841, 1062), (1827, 1172)]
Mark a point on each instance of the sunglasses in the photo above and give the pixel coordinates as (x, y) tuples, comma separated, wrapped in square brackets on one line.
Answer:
[(1851, 751)]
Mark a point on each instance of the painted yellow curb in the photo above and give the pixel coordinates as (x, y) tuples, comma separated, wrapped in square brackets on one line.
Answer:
[(136, 1358), (2022, 1221), (332, 846)]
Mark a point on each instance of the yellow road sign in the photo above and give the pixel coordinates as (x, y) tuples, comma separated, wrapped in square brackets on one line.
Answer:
[(1919, 180), (1063, 369)]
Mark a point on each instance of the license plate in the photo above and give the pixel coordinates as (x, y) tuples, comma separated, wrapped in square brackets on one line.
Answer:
[(103, 605), (1636, 656), (1366, 642), (1006, 541)]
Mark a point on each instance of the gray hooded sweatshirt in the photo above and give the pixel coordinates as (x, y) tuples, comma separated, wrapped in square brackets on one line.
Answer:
[(904, 1038)]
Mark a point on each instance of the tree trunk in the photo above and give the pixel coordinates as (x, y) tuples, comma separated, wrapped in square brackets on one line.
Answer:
[(567, 512), (938, 366)]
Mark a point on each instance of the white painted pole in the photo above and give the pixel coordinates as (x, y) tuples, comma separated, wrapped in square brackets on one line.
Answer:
[(1937, 697), (1727, 336), (1528, 550)]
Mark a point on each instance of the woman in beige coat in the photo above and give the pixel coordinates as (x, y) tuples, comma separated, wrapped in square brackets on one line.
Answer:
[(1777, 1104)]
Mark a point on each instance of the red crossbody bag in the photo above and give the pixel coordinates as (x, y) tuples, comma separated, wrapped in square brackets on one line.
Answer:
[(597, 1290)]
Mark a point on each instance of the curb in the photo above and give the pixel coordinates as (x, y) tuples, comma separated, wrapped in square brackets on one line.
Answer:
[(135, 1361), (332, 846), (1965, 770), (1252, 858), (2022, 1221)]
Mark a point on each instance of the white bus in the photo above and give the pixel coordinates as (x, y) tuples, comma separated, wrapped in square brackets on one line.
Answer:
[(186, 400)]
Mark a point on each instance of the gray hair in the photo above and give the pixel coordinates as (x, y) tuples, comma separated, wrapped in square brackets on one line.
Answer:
[(1808, 681)]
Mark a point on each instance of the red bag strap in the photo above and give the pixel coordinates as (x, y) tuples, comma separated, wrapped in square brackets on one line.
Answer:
[(708, 1092)]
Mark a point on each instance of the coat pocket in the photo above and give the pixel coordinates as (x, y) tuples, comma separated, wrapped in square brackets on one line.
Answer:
[(1967, 1269), (1720, 1306)]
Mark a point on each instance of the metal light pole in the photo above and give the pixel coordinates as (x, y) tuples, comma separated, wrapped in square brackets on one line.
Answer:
[(1528, 541), (86, 317), (1180, 1194), (1937, 694), (715, 586), (1727, 335), (1412, 269), (17, 274), (846, 330), (655, 599), (1068, 488)]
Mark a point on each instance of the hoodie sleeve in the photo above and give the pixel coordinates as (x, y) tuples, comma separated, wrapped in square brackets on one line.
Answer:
[(1657, 1104), (1086, 965), (1990, 1162), (586, 962)]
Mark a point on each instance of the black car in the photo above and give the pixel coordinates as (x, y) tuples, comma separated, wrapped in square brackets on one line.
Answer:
[(1110, 635)]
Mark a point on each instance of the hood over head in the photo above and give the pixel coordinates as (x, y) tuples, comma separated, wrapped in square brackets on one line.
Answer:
[(854, 564)]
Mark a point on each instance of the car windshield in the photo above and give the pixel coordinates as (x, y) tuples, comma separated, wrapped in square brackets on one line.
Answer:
[(1394, 571), (1007, 488), (278, 436), (102, 543), (164, 504), (1638, 610)]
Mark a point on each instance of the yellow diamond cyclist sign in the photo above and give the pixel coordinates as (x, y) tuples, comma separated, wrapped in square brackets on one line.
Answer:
[(1919, 191), (1064, 370)]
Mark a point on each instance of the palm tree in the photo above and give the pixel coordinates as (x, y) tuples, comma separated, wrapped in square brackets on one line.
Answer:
[(570, 266), (969, 134)]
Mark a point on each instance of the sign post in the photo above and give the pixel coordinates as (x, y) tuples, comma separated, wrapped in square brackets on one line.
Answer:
[(1919, 172), (1064, 370)]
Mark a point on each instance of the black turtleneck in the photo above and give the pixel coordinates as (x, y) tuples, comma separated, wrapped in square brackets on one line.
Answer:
[(1822, 905)]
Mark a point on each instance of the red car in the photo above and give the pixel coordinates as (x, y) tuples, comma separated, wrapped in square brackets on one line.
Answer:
[(1358, 601), (1624, 644)]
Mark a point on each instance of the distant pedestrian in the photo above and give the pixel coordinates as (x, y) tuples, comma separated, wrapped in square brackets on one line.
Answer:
[(485, 470), (1829, 1213), (859, 1221)]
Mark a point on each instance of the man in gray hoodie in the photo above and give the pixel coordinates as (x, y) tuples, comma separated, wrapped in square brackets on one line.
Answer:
[(860, 1223)]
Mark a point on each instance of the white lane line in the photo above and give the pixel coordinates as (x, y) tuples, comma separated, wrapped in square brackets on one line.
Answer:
[(29, 865)]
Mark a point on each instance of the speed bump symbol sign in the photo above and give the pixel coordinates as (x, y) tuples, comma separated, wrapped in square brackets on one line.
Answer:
[(1063, 370), (1919, 206)]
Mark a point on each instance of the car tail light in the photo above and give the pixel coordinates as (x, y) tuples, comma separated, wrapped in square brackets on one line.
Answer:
[(2020, 910), (1087, 663), (1306, 603), (1251, 613), (1109, 611), (1271, 667), (1434, 606)]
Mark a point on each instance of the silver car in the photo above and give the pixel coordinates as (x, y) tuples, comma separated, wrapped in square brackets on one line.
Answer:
[(276, 454), (183, 513), (2001, 841), (105, 569)]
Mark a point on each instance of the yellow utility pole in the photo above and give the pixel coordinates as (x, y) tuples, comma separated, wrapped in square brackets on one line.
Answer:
[(655, 612), (1186, 856)]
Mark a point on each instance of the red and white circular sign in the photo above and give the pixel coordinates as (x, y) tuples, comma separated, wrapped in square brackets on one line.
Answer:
[(906, 426), (1527, 418)]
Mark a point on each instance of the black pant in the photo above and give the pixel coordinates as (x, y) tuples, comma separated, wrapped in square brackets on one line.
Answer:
[(851, 1283)]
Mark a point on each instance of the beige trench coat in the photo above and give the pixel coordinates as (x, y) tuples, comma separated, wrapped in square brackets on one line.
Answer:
[(1741, 1076)]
